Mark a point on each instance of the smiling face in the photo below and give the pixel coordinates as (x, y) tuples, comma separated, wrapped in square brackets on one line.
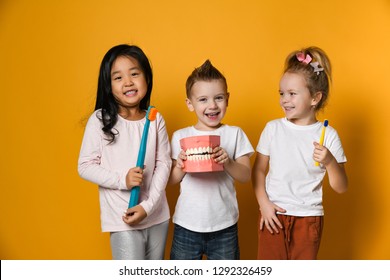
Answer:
[(296, 100), (209, 100), (128, 82)]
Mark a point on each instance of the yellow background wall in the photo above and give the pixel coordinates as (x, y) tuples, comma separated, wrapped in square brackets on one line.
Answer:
[(50, 53)]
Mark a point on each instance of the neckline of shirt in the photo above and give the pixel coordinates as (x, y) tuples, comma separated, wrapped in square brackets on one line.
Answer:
[(300, 127)]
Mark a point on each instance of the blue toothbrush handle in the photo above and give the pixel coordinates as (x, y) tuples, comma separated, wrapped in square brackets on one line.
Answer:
[(134, 193), (134, 196)]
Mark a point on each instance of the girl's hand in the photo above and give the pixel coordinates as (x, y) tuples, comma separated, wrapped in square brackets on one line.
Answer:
[(321, 154), (134, 177), (134, 215), (220, 156), (269, 218)]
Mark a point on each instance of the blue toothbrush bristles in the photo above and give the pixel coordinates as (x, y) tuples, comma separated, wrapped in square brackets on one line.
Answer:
[(326, 123)]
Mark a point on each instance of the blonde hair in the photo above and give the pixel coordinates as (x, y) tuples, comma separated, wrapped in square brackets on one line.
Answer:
[(318, 78)]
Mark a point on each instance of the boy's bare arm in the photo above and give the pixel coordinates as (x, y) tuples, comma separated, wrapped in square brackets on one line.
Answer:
[(177, 172), (239, 169)]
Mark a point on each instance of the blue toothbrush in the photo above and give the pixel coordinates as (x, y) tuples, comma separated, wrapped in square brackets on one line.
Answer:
[(150, 116)]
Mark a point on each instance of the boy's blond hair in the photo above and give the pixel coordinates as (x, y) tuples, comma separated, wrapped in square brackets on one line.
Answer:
[(206, 72)]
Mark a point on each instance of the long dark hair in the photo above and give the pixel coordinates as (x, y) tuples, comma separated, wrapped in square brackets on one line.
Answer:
[(105, 99)]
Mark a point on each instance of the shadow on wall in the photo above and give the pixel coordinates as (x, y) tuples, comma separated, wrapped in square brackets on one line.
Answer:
[(247, 223), (347, 217)]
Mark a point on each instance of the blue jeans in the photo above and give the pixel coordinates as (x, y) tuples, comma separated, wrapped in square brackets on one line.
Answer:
[(217, 245)]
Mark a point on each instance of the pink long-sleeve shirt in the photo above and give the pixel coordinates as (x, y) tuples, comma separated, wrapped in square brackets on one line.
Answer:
[(107, 165)]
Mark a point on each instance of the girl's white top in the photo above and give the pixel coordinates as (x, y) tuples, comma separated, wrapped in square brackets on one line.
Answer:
[(107, 165), (293, 181)]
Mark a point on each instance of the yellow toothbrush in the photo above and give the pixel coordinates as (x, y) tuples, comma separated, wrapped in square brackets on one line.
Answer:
[(322, 137)]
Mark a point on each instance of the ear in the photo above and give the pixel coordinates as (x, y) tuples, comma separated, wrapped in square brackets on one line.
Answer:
[(189, 105), (317, 98)]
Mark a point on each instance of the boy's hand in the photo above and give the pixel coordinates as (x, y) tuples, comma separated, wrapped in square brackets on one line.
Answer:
[(321, 154), (220, 155), (134, 215), (180, 160), (177, 171), (134, 177)]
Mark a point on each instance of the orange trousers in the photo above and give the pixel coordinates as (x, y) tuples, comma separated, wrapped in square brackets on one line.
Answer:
[(298, 240)]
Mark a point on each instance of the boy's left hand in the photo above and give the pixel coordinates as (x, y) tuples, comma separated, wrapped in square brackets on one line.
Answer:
[(321, 154), (220, 155), (134, 215)]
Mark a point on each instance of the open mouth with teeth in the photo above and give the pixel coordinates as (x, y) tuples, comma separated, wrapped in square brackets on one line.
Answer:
[(131, 93), (199, 151), (288, 108), (212, 115)]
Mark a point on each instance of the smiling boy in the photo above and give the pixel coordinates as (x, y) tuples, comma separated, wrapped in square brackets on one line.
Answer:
[(206, 212)]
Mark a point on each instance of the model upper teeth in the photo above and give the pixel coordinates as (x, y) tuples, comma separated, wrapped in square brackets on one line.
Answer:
[(201, 153)]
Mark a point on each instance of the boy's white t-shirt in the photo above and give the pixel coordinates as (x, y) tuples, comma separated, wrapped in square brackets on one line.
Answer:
[(293, 181), (207, 201)]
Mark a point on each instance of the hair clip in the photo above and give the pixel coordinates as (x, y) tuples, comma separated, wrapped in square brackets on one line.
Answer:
[(316, 67), (301, 58)]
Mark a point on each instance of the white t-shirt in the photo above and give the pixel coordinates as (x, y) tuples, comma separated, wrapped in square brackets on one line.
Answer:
[(207, 201), (293, 181)]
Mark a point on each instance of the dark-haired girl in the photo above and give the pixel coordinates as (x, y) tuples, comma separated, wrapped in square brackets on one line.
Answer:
[(109, 153)]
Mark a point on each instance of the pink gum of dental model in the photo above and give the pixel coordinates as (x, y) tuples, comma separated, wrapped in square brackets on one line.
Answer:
[(199, 153)]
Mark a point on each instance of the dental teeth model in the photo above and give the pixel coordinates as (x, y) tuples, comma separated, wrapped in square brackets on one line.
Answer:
[(199, 151)]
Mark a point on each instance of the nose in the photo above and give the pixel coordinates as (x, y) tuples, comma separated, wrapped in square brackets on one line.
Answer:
[(284, 98), (128, 81), (213, 104)]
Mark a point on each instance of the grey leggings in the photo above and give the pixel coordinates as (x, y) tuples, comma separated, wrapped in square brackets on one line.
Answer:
[(145, 244)]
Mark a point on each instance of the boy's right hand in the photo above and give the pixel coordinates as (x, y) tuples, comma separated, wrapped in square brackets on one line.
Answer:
[(134, 177), (180, 160), (177, 171), (269, 218)]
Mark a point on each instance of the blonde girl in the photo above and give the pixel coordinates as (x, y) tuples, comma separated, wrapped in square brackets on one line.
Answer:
[(287, 183)]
